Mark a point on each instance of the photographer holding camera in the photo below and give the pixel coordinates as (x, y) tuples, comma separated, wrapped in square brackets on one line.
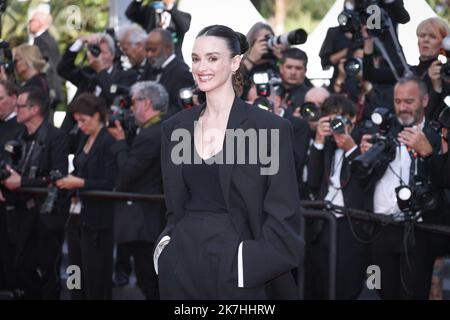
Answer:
[(293, 75), (90, 225), (138, 224), (9, 129), (396, 174), (330, 156), (38, 236), (161, 14)]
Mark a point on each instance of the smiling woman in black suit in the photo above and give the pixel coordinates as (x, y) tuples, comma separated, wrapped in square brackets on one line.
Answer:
[(90, 227), (233, 220)]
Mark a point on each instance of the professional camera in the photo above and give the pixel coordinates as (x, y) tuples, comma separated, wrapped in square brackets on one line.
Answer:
[(49, 204), (191, 96), (351, 20), (337, 125), (353, 66), (416, 198), (14, 149), (94, 50), (6, 57), (383, 149), (294, 37), (122, 97), (445, 60), (310, 111), (265, 82)]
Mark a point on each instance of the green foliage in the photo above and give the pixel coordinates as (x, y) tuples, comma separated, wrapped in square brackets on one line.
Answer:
[(94, 18)]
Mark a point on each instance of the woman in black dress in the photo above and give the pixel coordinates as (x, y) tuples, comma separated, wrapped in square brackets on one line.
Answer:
[(233, 215), (90, 226)]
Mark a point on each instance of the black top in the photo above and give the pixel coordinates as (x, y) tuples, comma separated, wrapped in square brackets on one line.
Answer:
[(203, 183), (80, 160)]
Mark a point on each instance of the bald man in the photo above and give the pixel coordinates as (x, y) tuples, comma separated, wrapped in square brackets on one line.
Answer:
[(169, 70), (38, 26)]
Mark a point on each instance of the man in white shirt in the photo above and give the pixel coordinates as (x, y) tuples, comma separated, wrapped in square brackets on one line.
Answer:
[(405, 261), (329, 172)]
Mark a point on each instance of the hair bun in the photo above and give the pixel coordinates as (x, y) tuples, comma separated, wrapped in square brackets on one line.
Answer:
[(242, 42)]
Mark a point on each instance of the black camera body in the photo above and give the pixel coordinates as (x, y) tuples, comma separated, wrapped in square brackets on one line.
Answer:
[(415, 198), (52, 195), (94, 50), (338, 124), (310, 111), (265, 83), (14, 149), (6, 57), (384, 145)]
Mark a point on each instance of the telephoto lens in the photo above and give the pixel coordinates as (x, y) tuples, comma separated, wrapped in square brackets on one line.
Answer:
[(337, 125)]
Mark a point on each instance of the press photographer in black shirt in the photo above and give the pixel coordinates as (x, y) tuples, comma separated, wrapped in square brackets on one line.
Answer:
[(38, 234)]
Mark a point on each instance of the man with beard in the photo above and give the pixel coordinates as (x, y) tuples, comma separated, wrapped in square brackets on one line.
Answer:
[(168, 70), (402, 251)]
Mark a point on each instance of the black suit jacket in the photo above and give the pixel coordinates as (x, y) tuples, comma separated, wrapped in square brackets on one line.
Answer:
[(99, 172), (319, 174), (264, 209), (146, 17), (49, 49), (175, 76), (139, 172)]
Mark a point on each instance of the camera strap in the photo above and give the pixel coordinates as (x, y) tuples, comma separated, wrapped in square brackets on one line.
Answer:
[(28, 156)]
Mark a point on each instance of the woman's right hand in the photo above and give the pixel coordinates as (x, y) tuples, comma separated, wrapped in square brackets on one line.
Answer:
[(434, 72), (258, 49)]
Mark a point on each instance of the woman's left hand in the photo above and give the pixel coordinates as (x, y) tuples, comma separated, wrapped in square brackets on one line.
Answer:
[(70, 182)]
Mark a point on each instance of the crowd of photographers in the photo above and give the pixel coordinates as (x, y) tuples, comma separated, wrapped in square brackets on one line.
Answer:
[(374, 139)]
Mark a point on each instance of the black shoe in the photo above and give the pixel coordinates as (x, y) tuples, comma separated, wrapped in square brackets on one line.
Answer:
[(121, 280)]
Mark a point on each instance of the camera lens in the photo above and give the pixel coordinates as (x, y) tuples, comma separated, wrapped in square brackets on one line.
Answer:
[(309, 111)]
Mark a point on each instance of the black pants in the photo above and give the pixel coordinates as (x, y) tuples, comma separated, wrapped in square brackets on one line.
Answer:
[(123, 260), (142, 253), (92, 251), (406, 268), (352, 261), (36, 252)]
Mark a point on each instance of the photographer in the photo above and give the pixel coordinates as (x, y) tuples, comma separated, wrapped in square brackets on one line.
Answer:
[(161, 14), (132, 42), (330, 156), (9, 129), (138, 224), (402, 252), (38, 237), (170, 71), (90, 225), (430, 33), (293, 75)]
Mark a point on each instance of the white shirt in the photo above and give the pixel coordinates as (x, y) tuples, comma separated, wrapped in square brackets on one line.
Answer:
[(385, 199), (334, 194)]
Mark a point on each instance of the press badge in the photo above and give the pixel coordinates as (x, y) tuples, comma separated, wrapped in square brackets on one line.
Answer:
[(75, 206)]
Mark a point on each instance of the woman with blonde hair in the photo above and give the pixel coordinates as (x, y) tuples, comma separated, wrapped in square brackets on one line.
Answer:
[(29, 67)]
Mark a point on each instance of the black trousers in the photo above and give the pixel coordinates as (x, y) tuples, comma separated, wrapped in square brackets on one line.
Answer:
[(142, 253), (123, 260), (36, 252), (92, 251), (406, 267), (353, 258)]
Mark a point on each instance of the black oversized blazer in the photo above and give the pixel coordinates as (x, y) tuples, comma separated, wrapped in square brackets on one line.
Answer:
[(264, 209)]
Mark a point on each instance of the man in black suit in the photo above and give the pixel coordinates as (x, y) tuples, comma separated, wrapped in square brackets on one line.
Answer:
[(329, 171), (38, 26), (405, 258), (170, 71), (37, 237), (138, 224), (132, 43), (166, 16), (98, 76), (9, 129)]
